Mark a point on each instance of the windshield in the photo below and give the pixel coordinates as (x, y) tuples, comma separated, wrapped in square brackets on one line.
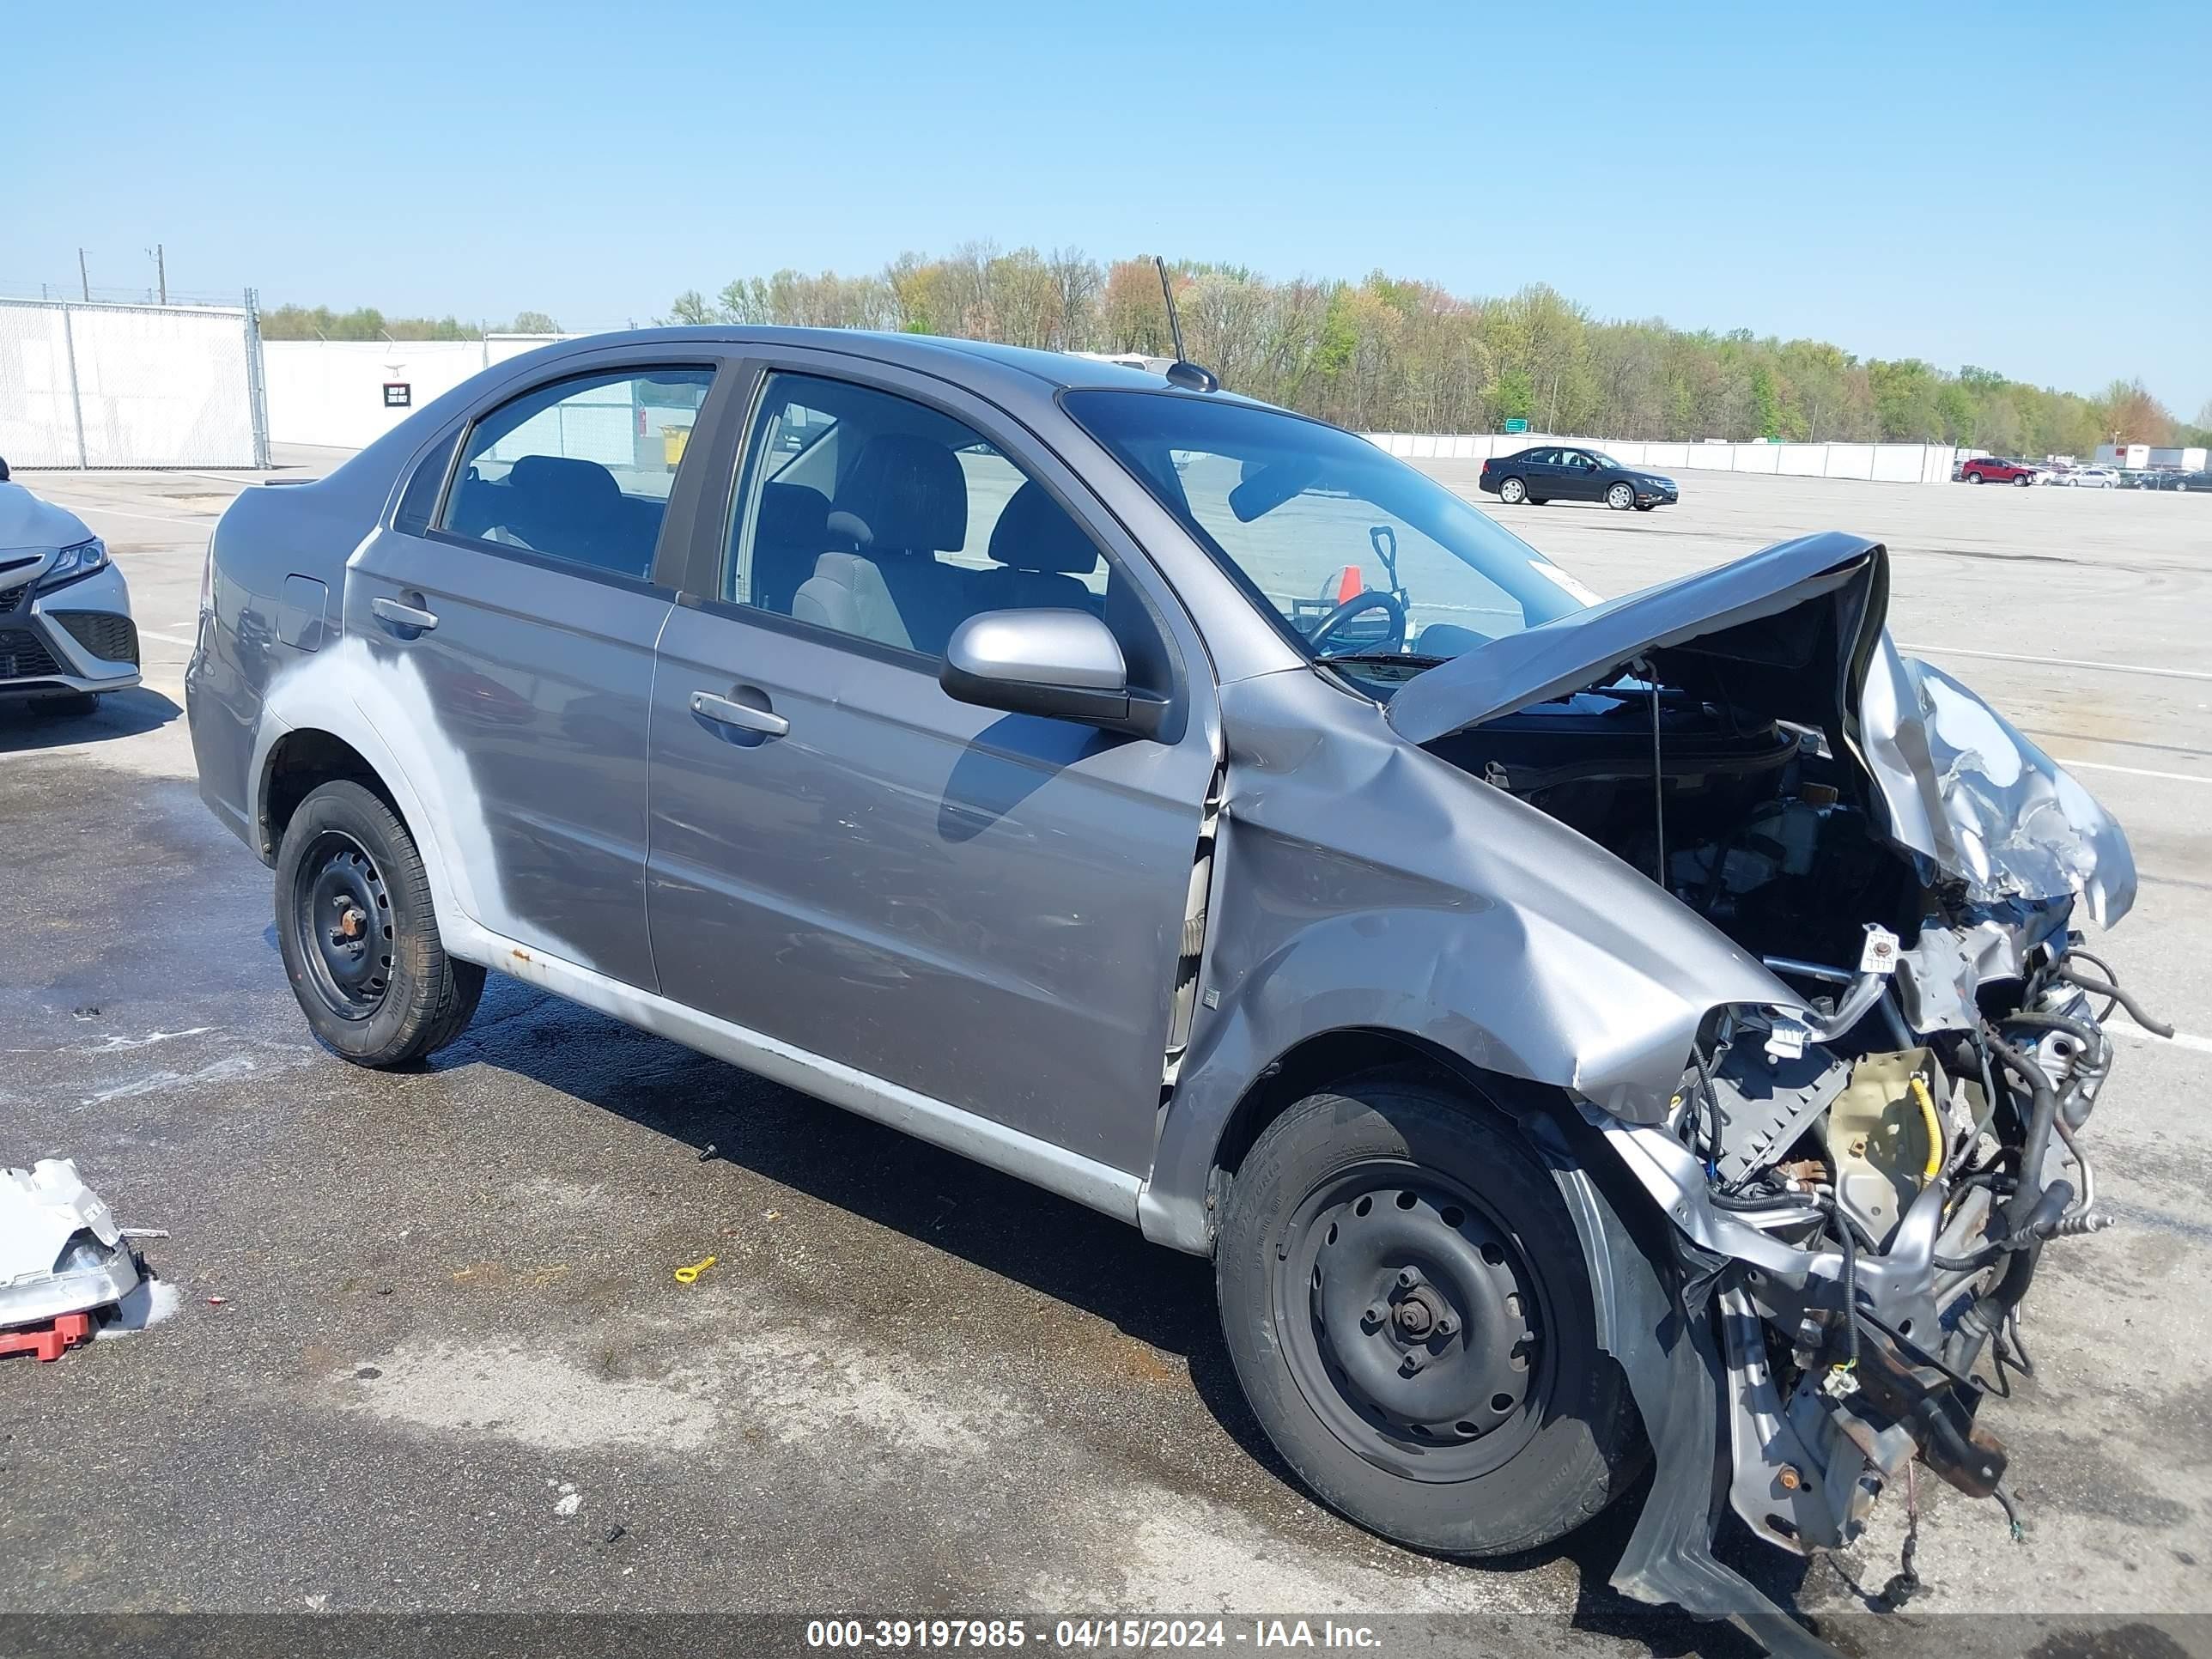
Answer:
[(1361, 559)]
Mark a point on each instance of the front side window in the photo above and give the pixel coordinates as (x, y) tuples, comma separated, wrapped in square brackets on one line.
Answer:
[(1362, 559), (581, 470), (884, 518)]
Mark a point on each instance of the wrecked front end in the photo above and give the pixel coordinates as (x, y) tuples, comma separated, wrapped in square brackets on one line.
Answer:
[(1860, 1174)]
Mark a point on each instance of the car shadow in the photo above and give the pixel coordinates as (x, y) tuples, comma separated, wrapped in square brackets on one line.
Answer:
[(28, 723), (1011, 1230)]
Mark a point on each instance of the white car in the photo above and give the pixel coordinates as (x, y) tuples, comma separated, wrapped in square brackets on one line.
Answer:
[(2089, 477), (65, 626)]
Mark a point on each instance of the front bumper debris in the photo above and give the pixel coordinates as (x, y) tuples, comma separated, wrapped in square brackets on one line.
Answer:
[(1859, 1243), (61, 1251)]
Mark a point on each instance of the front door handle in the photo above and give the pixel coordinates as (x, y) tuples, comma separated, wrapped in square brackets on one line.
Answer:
[(724, 711), (404, 615)]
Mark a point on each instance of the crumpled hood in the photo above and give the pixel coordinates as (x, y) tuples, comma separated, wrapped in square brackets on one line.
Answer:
[(1964, 787), (1798, 630), (28, 524)]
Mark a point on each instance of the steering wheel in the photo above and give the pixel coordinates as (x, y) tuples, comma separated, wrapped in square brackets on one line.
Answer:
[(1373, 599)]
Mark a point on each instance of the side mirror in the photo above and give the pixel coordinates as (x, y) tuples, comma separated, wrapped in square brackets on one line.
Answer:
[(1065, 665)]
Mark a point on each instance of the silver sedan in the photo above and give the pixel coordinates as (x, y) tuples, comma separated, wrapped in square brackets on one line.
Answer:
[(65, 627)]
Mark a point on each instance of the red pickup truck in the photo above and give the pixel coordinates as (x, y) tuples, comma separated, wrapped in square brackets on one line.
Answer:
[(1988, 469)]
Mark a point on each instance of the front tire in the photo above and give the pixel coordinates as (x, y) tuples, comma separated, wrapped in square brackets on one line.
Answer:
[(1620, 497), (358, 935), (1512, 492), (1388, 1225), (2022, 482)]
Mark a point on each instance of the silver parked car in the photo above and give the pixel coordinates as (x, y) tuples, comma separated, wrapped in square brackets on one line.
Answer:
[(66, 633), (1576, 1030)]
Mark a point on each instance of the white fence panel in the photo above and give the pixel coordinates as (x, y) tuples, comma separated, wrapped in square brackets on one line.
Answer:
[(1758, 458), (1801, 460), (84, 386), (1897, 463), (164, 388), (498, 348), (38, 410), (1850, 461), (331, 391)]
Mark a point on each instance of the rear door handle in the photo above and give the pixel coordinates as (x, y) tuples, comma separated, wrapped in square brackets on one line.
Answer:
[(724, 711), (404, 615)]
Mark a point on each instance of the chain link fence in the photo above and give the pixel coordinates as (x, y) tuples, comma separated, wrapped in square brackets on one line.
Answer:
[(131, 386)]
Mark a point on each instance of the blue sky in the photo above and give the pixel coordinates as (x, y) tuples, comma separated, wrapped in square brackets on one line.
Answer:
[(2027, 188)]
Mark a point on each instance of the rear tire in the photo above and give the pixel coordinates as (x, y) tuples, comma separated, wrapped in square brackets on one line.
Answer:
[(1976, 477), (359, 937), (1513, 1428), (1512, 492)]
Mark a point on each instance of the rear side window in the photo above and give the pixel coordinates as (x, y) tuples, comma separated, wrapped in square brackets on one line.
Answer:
[(420, 499), (581, 470)]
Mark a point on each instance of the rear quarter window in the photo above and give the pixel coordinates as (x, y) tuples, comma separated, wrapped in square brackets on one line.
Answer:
[(418, 502)]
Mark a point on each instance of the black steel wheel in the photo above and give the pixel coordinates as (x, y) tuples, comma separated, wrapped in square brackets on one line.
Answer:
[(1406, 1300), (343, 911), (1422, 1344), (358, 933)]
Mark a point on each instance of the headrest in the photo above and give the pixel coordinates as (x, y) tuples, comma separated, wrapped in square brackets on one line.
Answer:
[(791, 514), (1034, 532), (904, 492), (572, 486)]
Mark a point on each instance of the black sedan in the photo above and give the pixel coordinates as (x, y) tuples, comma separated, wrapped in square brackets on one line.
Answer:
[(1546, 474)]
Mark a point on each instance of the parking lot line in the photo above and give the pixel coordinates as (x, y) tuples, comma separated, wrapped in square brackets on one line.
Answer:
[(2063, 662), (206, 523), (2179, 1039), (2133, 771)]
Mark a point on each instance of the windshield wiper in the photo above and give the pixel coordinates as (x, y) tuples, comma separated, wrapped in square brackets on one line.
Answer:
[(1415, 657)]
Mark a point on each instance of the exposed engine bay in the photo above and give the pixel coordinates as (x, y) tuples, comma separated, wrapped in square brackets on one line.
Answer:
[(1861, 1182)]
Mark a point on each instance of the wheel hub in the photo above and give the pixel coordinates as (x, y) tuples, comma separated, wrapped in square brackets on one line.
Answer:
[(1419, 1335)]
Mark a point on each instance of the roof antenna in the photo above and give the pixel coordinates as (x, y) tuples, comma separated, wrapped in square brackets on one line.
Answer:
[(1181, 372)]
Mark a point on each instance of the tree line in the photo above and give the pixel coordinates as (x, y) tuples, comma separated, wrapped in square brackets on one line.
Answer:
[(367, 323), (1386, 354)]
